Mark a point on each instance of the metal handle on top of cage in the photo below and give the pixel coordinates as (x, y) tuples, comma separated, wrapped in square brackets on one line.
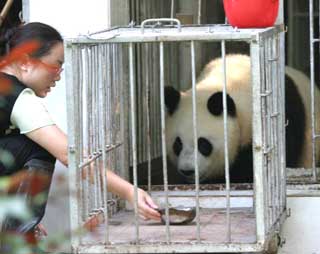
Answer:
[(159, 22)]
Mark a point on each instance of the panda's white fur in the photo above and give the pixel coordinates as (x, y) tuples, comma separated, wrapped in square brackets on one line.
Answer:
[(180, 122), (239, 129)]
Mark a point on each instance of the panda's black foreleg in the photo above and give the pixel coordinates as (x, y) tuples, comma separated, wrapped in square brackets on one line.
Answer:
[(241, 170)]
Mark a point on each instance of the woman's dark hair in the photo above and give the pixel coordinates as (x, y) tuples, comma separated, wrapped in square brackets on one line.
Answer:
[(38, 32)]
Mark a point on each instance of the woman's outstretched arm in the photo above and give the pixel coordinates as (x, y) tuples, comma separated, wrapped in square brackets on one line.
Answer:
[(55, 141)]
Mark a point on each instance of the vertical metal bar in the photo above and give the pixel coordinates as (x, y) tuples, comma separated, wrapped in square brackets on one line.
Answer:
[(122, 82), (277, 87), (264, 127), (109, 115), (133, 138), (91, 201), (103, 69), (88, 121), (273, 132), (281, 126), (79, 67), (73, 171), (282, 120), (157, 106), (268, 130), (111, 163), (316, 115), (265, 95), (163, 139), (93, 125), (312, 70), (195, 136), (281, 102), (116, 104), (257, 141), (276, 127), (95, 122), (98, 106), (147, 104), (139, 94), (291, 23), (226, 150), (154, 85), (172, 10), (199, 12)]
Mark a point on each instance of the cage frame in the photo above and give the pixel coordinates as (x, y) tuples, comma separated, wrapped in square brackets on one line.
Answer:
[(168, 34)]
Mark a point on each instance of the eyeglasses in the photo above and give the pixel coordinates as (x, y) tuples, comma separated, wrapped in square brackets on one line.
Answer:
[(52, 68)]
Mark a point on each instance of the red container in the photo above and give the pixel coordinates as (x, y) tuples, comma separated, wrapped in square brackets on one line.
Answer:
[(251, 13)]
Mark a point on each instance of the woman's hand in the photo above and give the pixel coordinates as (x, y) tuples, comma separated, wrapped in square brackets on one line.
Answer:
[(146, 206), (121, 187)]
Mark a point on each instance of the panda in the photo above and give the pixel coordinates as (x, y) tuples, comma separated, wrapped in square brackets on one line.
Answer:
[(179, 122)]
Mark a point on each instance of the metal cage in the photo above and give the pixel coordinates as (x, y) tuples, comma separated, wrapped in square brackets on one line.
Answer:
[(116, 120)]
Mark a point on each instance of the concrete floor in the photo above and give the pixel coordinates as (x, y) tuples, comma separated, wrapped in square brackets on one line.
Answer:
[(301, 231), (212, 223)]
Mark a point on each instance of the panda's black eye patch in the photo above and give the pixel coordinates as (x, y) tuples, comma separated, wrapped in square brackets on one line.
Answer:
[(215, 104), (204, 146), (177, 146), (171, 99)]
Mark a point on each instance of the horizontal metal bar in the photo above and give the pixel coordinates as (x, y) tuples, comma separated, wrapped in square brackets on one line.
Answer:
[(267, 151), (292, 191), (205, 193), (188, 33), (315, 40), (104, 30), (275, 114), (98, 154), (94, 220), (203, 187), (189, 247), (276, 58), (267, 93), (300, 172)]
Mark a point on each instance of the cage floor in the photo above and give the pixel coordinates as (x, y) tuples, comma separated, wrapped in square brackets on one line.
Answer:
[(213, 228)]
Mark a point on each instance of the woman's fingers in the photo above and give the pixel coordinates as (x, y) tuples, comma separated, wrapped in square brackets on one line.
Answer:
[(147, 206)]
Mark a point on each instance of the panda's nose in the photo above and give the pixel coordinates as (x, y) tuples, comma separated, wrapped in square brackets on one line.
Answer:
[(187, 172)]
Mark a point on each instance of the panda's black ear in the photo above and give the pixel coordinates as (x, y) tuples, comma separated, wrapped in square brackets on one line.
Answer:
[(215, 104), (171, 99)]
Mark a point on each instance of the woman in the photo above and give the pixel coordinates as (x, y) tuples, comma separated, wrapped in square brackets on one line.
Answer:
[(29, 139)]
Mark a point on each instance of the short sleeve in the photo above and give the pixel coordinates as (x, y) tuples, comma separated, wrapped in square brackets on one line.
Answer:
[(29, 113)]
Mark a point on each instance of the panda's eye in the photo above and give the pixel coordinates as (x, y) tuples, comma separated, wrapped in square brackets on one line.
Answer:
[(177, 146), (204, 146)]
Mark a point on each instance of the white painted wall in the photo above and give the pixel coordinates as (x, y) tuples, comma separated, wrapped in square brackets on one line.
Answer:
[(70, 18)]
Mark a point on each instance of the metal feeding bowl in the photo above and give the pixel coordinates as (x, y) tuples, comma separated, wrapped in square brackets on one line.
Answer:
[(178, 215)]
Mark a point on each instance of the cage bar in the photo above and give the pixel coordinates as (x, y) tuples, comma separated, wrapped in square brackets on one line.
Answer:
[(313, 40), (226, 145), (195, 136)]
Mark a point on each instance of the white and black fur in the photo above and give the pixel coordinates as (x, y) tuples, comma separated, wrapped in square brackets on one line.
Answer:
[(179, 122)]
